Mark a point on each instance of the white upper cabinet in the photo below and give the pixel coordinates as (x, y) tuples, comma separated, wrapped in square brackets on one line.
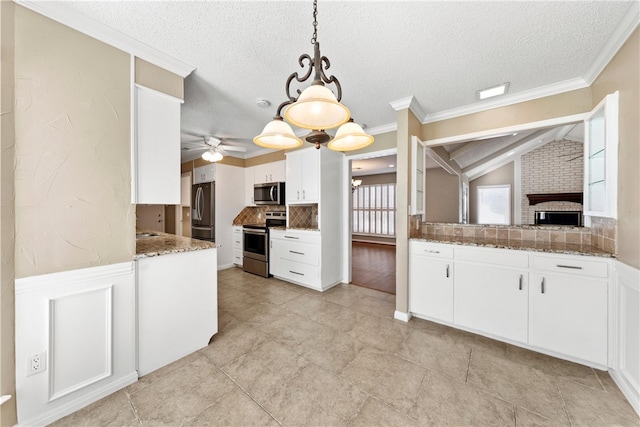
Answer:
[(269, 172), (206, 173), (601, 159), (156, 148), (417, 177), (303, 176)]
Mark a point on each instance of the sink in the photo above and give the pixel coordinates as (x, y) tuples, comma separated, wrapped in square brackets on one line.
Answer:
[(139, 235)]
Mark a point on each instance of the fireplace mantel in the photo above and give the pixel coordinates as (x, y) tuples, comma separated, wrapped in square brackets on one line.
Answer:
[(534, 199)]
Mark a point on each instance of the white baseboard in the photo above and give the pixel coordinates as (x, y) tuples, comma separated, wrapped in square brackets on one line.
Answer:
[(75, 405), (402, 316), (630, 392), (226, 266)]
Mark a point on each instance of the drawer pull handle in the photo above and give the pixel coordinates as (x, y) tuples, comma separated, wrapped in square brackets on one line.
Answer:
[(295, 272), (297, 253), (447, 271), (520, 283), (574, 267), (431, 251), (291, 237), (542, 286)]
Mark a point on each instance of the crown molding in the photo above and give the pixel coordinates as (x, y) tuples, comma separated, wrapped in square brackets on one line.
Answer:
[(621, 34), (411, 103), (379, 130), (527, 95), (99, 31)]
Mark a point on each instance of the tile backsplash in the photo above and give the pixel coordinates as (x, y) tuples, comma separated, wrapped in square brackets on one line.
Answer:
[(303, 216), (256, 214), (604, 233)]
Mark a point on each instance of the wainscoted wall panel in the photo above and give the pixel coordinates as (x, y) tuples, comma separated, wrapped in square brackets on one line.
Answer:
[(70, 368), (84, 322), (626, 340)]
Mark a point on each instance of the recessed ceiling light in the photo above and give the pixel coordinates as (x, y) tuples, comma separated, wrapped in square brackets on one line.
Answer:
[(510, 153), (392, 166), (490, 92)]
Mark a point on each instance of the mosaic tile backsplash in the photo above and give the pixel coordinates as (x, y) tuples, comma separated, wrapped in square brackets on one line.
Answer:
[(604, 232), (256, 214), (303, 216)]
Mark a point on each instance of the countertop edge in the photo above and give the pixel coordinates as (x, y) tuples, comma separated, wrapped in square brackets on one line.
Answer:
[(521, 247)]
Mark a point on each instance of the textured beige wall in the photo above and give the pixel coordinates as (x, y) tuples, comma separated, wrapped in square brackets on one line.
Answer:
[(154, 77), (500, 176), (381, 178), (7, 215), (623, 74), (442, 196), (564, 104), (73, 172), (267, 158)]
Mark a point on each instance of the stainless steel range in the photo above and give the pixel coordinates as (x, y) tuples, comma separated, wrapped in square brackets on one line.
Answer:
[(255, 243)]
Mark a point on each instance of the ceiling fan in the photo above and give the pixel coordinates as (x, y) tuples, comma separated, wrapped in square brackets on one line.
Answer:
[(213, 148)]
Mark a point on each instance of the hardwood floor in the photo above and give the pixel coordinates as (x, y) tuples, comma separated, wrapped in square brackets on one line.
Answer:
[(374, 266)]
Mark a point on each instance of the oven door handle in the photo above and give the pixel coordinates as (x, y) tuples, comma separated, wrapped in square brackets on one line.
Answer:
[(248, 231)]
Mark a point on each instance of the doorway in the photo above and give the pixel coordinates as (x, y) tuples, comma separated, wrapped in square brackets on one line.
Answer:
[(372, 208)]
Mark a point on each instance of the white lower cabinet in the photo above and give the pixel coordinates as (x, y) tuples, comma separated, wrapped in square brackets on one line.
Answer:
[(237, 245), (554, 303), (431, 281), (568, 312), (492, 299), (295, 257)]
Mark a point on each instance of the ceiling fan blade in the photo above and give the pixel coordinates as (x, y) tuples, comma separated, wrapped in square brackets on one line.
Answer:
[(233, 148), (195, 148)]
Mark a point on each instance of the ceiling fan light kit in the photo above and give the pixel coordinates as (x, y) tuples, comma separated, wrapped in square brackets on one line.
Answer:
[(316, 108), (212, 155)]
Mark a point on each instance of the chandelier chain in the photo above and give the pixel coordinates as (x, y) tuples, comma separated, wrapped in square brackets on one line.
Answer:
[(314, 39)]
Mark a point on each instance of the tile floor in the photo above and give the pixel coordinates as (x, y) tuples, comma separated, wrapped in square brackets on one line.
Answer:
[(286, 355)]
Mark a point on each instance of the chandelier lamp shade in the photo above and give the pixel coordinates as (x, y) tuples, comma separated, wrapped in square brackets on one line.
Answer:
[(316, 108)]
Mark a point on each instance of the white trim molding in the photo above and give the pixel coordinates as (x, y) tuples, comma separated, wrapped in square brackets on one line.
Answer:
[(99, 31), (399, 315), (626, 332), (411, 103)]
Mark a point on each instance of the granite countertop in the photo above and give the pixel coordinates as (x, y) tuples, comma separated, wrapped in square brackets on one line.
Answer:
[(163, 244), (524, 245)]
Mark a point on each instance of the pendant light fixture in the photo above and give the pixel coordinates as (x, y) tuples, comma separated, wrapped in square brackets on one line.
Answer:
[(212, 155), (316, 108)]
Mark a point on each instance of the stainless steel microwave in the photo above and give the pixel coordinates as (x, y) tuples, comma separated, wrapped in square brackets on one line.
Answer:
[(269, 193)]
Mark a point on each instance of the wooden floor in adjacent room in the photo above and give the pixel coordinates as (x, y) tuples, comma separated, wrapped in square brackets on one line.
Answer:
[(374, 266)]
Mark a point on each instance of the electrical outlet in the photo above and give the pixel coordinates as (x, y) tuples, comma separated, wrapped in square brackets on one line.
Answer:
[(36, 363)]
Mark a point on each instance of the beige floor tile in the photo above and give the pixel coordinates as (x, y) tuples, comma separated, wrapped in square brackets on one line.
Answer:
[(315, 398), (477, 342), (519, 384), (554, 366), (304, 305), (590, 407), (232, 342), (375, 413), (380, 333), (428, 326), (436, 353), (361, 301), (163, 372), (387, 377), (525, 418), (234, 409), (276, 294), (225, 318), (264, 370), (442, 401), (113, 410), (609, 385), (292, 330), (259, 314), (337, 317), (330, 349), (180, 395)]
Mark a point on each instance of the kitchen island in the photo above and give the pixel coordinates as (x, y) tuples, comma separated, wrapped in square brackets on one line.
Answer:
[(177, 297)]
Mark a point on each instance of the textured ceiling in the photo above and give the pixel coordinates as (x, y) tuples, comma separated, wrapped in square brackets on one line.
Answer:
[(381, 51)]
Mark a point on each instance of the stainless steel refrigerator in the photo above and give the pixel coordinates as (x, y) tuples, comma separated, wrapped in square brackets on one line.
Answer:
[(203, 212)]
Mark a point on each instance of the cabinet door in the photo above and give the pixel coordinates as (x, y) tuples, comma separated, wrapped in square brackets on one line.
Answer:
[(492, 300), (601, 159), (569, 315), (277, 171), (248, 186), (275, 256), (294, 176), (157, 148), (310, 175), (417, 177), (431, 287)]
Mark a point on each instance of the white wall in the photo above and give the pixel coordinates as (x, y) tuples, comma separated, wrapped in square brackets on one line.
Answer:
[(229, 202)]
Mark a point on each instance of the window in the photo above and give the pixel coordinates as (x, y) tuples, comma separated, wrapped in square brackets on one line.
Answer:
[(494, 204), (374, 209)]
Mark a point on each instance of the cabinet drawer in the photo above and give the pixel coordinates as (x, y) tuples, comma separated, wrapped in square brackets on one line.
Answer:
[(237, 256), (306, 253), (302, 273), (501, 257), (436, 250), (296, 236), (572, 265)]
